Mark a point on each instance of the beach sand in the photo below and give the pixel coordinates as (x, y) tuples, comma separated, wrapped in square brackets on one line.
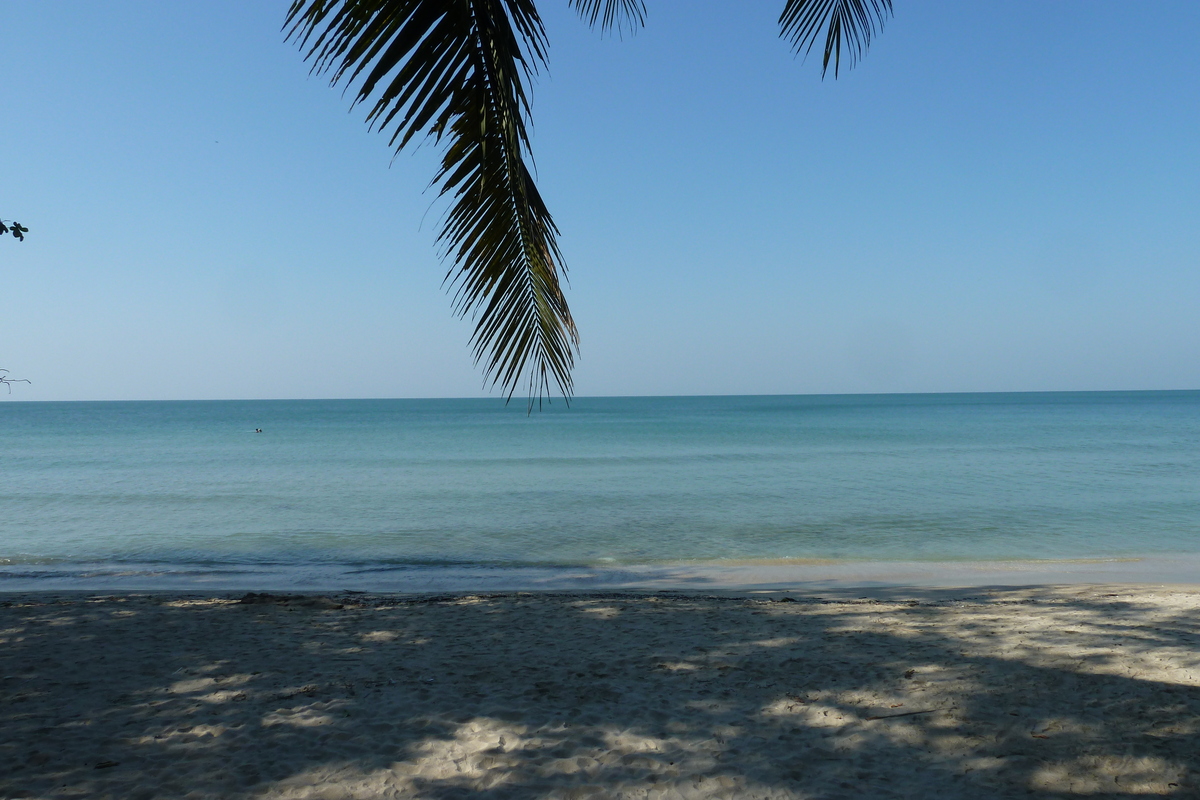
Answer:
[(940, 693)]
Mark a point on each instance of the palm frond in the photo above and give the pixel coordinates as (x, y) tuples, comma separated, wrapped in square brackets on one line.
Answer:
[(612, 14), (848, 24), (456, 70)]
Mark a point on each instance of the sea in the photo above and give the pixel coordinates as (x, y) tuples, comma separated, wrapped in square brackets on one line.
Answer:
[(682, 492)]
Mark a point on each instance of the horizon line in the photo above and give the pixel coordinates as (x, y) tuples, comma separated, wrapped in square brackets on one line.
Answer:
[(568, 401)]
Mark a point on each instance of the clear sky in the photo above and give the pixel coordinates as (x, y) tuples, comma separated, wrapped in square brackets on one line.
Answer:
[(1001, 196)]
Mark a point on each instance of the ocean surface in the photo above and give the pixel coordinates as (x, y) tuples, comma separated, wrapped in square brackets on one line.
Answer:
[(382, 493)]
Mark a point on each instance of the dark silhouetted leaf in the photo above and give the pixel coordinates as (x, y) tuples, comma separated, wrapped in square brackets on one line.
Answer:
[(848, 24), (610, 14)]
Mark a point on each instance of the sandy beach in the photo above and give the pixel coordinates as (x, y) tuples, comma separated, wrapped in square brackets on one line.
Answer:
[(1005, 692)]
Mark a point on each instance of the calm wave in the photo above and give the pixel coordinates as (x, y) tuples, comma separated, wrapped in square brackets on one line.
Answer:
[(370, 484)]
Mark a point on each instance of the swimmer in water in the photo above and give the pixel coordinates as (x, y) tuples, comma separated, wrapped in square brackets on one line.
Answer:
[(258, 430)]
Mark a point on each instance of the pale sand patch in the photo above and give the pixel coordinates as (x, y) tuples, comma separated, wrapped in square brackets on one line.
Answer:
[(1045, 692)]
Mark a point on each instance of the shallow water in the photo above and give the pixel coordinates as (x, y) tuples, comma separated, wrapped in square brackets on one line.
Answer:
[(162, 488)]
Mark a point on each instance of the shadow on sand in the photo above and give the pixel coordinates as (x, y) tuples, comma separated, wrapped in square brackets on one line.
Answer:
[(922, 693)]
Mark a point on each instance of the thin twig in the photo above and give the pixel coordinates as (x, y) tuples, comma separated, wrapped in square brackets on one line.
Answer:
[(902, 714)]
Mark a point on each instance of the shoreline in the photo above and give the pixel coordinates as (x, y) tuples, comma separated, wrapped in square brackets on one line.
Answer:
[(741, 575), (922, 692)]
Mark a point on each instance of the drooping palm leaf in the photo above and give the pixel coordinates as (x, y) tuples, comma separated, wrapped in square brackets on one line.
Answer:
[(455, 69), (848, 24), (612, 13)]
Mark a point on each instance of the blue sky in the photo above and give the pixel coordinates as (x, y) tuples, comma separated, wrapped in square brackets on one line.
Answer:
[(1000, 197)]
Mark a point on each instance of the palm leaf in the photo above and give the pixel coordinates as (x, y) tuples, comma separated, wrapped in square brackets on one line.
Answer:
[(456, 70), (848, 24), (612, 14)]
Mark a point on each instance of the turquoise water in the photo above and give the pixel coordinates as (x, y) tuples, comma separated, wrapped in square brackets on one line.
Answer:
[(375, 484)]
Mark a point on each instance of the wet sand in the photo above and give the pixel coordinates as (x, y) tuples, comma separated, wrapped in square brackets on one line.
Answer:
[(1006, 692), (797, 574)]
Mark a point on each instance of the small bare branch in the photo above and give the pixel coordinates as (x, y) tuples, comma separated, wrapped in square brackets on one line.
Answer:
[(8, 382)]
